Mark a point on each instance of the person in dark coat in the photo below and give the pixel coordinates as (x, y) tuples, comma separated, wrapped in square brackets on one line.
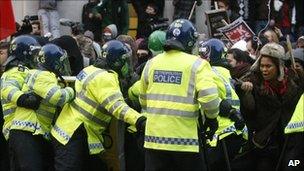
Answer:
[(91, 19), (239, 61), (268, 98), (69, 44)]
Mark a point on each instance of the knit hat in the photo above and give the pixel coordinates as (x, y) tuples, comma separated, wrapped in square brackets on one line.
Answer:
[(298, 55), (89, 34), (110, 32), (273, 50)]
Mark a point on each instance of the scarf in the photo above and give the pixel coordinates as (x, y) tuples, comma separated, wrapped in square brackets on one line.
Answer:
[(240, 70), (276, 87)]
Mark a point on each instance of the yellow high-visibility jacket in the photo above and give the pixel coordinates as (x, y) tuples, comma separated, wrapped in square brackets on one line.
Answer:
[(98, 97), (44, 84), (175, 86), (226, 91), (12, 82), (296, 123)]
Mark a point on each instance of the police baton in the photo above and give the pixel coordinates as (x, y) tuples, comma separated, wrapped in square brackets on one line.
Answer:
[(203, 143), (69, 78)]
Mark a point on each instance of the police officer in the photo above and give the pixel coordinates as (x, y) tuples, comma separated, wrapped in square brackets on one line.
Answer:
[(79, 127), (231, 123), (175, 85), (21, 51), (30, 128), (293, 153)]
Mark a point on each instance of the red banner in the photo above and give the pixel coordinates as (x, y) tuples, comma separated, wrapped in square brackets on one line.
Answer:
[(7, 19), (237, 30)]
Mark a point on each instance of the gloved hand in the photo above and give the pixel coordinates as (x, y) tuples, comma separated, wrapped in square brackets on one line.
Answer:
[(212, 124), (29, 100), (225, 108), (237, 118), (141, 124)]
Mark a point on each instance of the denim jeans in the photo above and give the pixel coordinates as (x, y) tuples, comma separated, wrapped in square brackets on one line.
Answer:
[(50, 22)]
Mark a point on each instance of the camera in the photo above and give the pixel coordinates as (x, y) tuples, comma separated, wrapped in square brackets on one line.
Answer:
[(26, 27), (158, 24), (28, 19)]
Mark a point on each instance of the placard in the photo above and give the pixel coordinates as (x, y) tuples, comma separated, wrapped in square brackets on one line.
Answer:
[(215, 20), (237, 30)]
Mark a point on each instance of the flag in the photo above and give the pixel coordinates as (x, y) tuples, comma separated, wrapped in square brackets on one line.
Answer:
[(7, 19)]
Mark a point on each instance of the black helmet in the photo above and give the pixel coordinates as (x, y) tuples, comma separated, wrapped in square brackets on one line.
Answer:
[(182, 35), (52, 58), (117, 55), (23, 48)]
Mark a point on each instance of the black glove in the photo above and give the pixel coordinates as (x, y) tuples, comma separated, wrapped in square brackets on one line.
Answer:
[(29, 100), (237, 118), (225, 108), (141, 124), (212, 124)]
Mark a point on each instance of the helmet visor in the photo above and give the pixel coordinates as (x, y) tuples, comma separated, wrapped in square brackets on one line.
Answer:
[(64, 67)]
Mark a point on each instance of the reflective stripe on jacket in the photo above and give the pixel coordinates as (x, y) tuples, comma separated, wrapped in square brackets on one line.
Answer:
[(296, 123), (98, 97), (44, 84), (174, 85), (226, 91), (11, 85)]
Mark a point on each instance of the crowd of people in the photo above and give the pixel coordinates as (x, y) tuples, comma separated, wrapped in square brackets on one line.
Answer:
[(182, 102)]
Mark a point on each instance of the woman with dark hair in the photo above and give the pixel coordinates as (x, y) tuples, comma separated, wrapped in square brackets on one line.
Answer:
[(269, 96)]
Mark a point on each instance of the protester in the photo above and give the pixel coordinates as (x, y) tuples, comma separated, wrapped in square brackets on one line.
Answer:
[(49, 17), (268, 98)]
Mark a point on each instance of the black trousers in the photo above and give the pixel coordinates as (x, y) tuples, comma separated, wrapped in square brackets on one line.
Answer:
[(134, 152), (75, 154), (4, 157), (29, 152), (216, 155), (157, 160), (294, 152)]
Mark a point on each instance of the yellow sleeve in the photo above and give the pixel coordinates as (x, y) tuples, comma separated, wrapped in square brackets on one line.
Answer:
[(143, 85), (106, 91), (134, 91), (11, 85), (46, 85), (208, 95)]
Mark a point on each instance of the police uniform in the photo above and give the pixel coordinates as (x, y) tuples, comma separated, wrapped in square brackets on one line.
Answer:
[(11, 84), (171, 97), (227, 132), (79, 127), (30, 129), (294, 153)]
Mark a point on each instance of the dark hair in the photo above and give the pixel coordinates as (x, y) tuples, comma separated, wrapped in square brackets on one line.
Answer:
[(276, 62), (35, 22), (153, 5), (240, 56)]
